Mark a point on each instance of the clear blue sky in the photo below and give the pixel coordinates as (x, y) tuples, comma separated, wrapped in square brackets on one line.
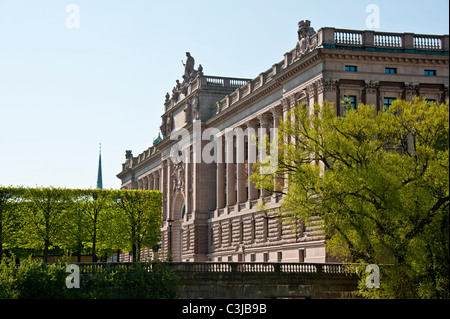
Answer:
[(63, 91)]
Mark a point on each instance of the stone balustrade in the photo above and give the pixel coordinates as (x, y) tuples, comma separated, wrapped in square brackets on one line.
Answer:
[(368, 39), (250, 280), (206, 82), (343, 39), (224, 267)]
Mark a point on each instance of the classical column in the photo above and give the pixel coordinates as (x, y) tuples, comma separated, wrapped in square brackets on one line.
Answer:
[(150, 182), (229, 159), (328, 89), (220, 171), (264, 130), (371, 90), (169, 168), (156, 181), (251, 151), (164, 189), (311, 89), (277, 112), (187, 177), (240, 171), (286, 107)]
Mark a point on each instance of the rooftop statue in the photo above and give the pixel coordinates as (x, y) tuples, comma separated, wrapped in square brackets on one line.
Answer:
[(306, 41), (189, 66)]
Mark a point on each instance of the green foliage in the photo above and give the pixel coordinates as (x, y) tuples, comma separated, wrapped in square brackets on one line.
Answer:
[(74, 221), (37, 280), (135, 282), (379, 181), (31, 280), (139, 214)]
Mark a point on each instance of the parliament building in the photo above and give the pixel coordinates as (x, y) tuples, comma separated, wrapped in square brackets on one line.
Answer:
[(211, 210)]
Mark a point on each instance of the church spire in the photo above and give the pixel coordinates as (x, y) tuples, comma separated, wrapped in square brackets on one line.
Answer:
[(99, 174)]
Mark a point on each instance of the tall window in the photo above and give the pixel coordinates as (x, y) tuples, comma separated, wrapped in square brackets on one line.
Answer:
[(388, 102), (254, 229), (266, 227), (241, 231), (349, 102)]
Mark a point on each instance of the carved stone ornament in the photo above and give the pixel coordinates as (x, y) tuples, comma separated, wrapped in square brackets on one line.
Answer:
[(371, 86), (195, 108), (329, 84), (178, 177), (306, 41), (163, 127), (128, 159), (169, 126), (411, 88), (188, 112)]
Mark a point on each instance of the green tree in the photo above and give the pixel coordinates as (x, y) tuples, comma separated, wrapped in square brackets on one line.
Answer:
[(379, 182), (42, 213), (138, 219), (96, 209), (9, 197)]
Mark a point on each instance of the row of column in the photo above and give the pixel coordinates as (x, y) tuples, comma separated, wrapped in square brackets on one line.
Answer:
[(233, 184), (149, 182)]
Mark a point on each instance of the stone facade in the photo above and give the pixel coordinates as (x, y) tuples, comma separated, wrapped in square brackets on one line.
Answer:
[(211, 211)]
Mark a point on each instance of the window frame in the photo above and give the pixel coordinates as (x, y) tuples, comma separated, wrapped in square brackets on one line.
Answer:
[(390, 100), (428, 72), (386, 69), (353, 104)]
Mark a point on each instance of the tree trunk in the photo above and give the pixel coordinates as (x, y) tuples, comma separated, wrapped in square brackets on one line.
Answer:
[(134, 250), (46, 244), (94, 239)]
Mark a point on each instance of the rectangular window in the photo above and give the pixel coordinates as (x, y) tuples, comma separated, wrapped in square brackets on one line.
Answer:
[(350, 102), (351, 68), (279, 256), (430, 72), (388, 102), (301, 255), (390, 70), (266, 257)]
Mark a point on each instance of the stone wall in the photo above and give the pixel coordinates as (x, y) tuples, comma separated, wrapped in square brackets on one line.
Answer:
[(264, 280), (268, 285)]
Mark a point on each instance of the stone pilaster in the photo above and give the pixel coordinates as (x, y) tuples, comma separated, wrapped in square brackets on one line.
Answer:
[(252, 191), (264, 129), (220, 171)]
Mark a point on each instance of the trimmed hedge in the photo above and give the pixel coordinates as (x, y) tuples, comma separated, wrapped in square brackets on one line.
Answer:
[(36, 280)]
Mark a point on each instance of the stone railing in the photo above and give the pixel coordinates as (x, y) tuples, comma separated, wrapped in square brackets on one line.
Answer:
[(224, 267), (369, 39), (207, 82), (341, 39)]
